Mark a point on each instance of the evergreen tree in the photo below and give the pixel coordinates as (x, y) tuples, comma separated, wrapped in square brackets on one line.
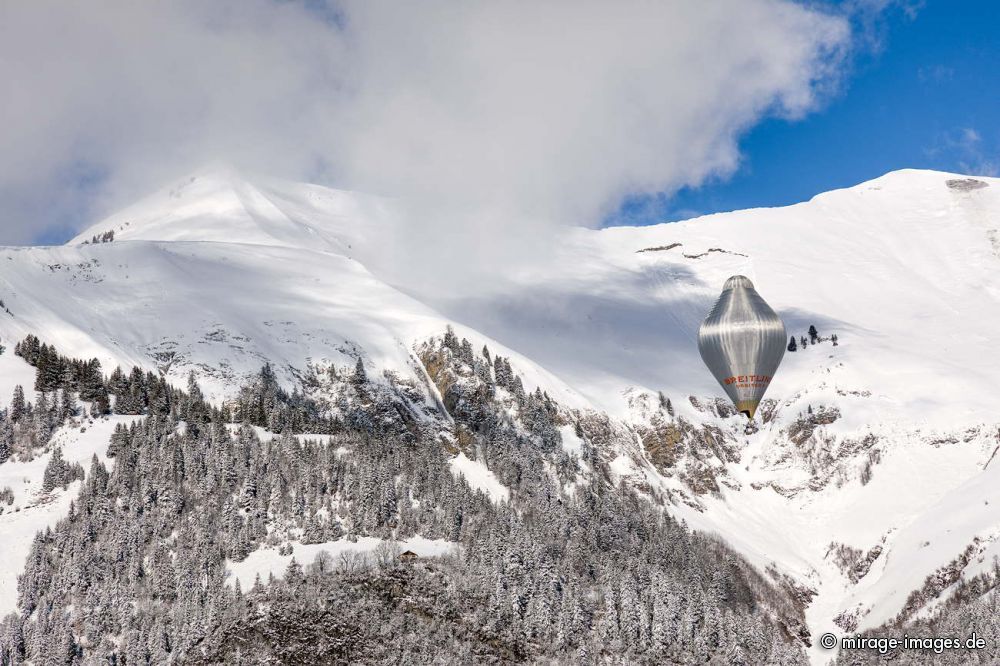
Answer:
[(101, 404), (502, 371), (58, 472), (92, 382), (194, 391), (118, 382), (450, 340), (28, 349), (17, 407), (44, 419), (67, 405), (465, 351), (6, 438), (360, 376)]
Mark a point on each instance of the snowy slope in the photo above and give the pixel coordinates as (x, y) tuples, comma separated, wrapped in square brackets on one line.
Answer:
[(34, 510), (218, 274), (224, 307), (267, 561), (903, 270), (175, 293), (900, 267), (218, 204), (478, 476)]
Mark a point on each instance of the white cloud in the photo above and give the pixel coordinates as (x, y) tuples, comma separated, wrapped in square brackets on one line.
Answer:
[(492, 120), (965, 148)]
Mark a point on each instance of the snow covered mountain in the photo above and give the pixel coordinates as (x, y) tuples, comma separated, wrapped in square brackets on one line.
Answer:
[(220, 276), (872, 469)]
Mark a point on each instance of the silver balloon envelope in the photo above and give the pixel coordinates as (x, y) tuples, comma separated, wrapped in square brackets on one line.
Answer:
[(742, 341)]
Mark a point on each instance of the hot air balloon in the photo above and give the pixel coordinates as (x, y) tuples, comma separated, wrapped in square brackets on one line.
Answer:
[(742, 342)]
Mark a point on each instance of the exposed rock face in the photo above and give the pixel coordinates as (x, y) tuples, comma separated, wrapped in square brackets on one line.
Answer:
[(853, 562), (697, 454), (804, 427), (966, 184), (937, 582)]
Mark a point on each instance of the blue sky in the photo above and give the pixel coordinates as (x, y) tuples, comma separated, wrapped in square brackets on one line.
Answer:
[(925, 95)]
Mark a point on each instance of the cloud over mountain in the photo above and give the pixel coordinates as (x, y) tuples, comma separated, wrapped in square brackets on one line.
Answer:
[(490, 120)]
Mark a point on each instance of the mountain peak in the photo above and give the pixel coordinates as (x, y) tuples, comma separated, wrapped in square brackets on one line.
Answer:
[(218, 203), (216, 170), (911, 179)]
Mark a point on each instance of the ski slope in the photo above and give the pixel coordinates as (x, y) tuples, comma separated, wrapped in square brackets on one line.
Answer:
[(217, 274)]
